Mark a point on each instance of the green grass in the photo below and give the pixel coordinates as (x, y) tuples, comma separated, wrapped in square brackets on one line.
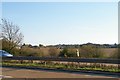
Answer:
[(61, 66)]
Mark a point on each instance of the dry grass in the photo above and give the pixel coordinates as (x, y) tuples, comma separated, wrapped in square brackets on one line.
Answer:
[(109, 51)]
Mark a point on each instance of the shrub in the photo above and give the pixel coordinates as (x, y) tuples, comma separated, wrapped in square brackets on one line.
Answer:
[(90, 51), (68, 53)]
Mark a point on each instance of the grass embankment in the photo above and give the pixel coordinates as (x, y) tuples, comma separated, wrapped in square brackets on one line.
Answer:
[(68, 66)]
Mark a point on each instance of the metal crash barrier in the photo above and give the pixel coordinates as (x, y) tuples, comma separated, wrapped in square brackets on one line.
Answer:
[(91, 60)]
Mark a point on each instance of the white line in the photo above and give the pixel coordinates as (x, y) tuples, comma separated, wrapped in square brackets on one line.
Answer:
[(2, 76)]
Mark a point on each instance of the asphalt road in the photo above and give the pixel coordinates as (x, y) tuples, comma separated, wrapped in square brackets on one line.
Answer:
[(31, 73)]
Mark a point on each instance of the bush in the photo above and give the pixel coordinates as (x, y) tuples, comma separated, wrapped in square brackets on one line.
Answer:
[(90, 51), (68, 53), (53, 52), (31, 52)]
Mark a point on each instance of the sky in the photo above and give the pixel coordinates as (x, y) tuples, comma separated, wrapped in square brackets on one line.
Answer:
[(51, 23), (60, 0)]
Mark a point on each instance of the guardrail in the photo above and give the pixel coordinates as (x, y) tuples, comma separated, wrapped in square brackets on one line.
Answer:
[(90, 60)]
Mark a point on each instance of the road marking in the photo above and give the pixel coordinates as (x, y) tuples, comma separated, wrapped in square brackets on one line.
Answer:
[(2, 76)]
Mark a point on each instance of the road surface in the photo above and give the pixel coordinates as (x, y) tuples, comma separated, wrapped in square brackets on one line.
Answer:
[(31, 73)]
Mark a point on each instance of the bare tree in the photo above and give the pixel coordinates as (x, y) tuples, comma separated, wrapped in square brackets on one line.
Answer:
[(11, 33)]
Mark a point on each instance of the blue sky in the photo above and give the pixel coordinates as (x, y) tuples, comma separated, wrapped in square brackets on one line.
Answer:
[(64, 22)]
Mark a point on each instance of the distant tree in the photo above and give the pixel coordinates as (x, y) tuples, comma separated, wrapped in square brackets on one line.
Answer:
[(29, 45), (11, 34), (24, 44), (40, 45)]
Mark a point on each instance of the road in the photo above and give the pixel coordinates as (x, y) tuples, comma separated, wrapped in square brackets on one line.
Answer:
[(31, 73)]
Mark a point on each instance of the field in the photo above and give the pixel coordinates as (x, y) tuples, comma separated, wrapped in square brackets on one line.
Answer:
[(109, 51)]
